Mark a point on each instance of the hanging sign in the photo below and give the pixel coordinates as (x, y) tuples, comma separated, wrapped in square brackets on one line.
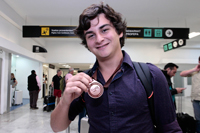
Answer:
[(48, 31), (157, 33), (174, 44), (131, 32)]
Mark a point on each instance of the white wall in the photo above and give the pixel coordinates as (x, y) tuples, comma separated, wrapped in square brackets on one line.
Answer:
[(11, 34), (68, 52), (1, 54), (4, 82), (24, 67), (13, 64)]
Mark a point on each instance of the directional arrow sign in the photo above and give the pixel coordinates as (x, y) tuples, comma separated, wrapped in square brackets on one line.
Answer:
[(174, 44)]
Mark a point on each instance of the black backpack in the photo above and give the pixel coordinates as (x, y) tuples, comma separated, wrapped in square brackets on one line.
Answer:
[(144, 75)]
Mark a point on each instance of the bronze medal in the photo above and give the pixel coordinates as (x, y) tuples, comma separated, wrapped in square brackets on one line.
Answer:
[(96, 89)]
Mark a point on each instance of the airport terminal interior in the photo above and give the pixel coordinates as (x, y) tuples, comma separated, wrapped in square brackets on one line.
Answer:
[(38, 35)]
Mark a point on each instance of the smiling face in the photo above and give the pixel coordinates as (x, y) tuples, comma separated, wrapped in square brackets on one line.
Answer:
[(102, 38)]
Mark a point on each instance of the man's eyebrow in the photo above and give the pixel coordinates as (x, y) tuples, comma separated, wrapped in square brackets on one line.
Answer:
[(101, 27)]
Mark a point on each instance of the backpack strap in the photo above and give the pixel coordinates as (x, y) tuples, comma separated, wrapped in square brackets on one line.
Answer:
[(144, 75)]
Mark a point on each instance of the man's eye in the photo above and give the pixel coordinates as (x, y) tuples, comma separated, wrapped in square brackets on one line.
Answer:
[(104, 30), (90, 36)]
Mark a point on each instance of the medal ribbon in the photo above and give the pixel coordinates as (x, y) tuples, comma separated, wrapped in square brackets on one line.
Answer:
[(94, 76)]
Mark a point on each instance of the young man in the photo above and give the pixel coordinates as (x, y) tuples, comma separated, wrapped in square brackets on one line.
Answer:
[(56, 84), (169, 71), (123, 106), (195, 95)]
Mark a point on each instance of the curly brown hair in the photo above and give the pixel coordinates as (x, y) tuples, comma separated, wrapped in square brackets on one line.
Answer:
[(92, 12)]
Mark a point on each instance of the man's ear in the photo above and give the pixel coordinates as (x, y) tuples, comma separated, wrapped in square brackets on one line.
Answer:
[(121, 34), (167, 69)]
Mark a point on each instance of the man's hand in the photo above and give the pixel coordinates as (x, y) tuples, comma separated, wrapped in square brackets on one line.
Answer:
[(75, 86), (197, 68), (179, 90)]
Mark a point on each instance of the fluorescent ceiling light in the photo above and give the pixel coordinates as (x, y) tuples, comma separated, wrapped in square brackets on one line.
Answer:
[(45, 66), (17, 55), (194, 34), (67, 66)]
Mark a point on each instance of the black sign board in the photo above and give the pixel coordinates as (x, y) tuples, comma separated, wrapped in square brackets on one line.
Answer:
[(174, 44), (157, 33), (48, 31), (39, 49), (51, 66), (131, 32)]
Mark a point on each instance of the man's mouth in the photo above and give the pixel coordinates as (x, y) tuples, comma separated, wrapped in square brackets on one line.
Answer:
[(102, 46)]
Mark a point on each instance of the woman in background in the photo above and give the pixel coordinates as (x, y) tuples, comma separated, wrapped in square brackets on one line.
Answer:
[(13, 81)]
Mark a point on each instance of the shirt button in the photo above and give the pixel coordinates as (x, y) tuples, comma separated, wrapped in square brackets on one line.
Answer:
[(112, 113), (110, 93)]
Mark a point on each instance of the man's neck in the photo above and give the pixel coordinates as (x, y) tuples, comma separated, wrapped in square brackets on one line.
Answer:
[(107, 67)]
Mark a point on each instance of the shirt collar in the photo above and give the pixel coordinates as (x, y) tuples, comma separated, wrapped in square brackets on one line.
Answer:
[(126, 60)]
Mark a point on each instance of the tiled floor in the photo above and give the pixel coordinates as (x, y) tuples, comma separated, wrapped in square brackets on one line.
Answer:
[(24, 120)]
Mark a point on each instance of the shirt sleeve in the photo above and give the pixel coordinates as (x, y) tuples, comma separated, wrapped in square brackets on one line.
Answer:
[(165, 115), (38, 82), (173, 91), (68, 76), (76, 107), (53, 78)]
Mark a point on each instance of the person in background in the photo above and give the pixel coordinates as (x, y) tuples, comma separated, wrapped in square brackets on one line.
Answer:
[(13, 80), (195, 93), (46, 81), (44, 85), (34, 87), (56, 85), (44, 78), (123, 106), (69, 74), (169, 71), (13, 83)]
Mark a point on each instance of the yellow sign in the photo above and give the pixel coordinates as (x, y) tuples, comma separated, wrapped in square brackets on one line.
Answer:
[(45, 31)]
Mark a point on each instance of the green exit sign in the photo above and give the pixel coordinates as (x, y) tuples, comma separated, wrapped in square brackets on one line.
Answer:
[(174, 44)]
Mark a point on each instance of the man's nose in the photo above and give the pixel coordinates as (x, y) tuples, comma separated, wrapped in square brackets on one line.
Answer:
[(99, 38)]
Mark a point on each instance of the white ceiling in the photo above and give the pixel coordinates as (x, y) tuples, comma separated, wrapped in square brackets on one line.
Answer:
[(138, 13)]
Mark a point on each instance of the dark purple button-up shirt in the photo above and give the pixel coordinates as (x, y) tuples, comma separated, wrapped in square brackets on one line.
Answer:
[(123, 107)]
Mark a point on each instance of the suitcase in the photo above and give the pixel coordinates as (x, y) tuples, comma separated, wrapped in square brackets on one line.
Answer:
[(185, 121), (49, 101)]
